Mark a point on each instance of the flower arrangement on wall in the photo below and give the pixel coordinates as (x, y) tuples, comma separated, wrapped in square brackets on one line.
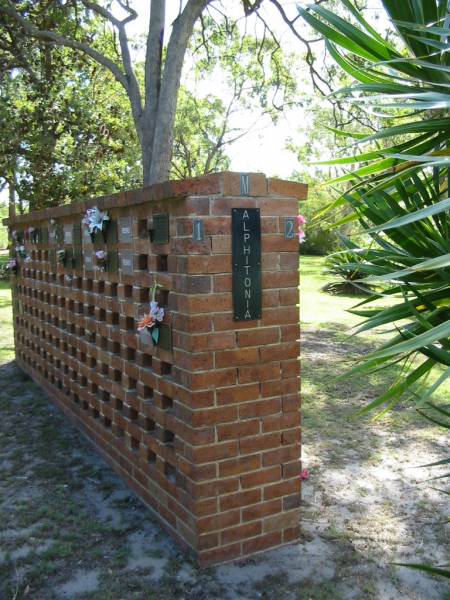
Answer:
[(301, 220), (95, 221), (101, 258), (150, 321)]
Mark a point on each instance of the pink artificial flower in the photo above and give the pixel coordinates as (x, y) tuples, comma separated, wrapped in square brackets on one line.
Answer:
[(301, 235), (304, 474), (301, 220)]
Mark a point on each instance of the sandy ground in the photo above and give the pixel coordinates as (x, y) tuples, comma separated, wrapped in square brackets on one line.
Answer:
[(70, 529)]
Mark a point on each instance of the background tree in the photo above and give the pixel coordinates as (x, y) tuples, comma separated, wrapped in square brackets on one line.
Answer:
[(66, 133), (153, 104)]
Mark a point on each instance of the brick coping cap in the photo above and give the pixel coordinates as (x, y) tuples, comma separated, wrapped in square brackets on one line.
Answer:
[(226, 183)]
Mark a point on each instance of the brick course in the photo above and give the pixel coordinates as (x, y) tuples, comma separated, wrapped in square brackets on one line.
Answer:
[(205, 427)]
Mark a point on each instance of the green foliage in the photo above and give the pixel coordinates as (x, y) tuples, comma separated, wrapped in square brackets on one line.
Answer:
[(400, 203), (399, 194), (69, 134), (349, 276)]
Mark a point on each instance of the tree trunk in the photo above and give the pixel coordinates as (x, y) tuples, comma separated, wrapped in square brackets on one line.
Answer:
[(170, 83)]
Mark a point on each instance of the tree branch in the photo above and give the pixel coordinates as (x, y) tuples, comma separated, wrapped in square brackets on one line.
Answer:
[(52, 37)]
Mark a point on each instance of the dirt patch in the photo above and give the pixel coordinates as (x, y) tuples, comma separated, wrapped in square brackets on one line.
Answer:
[(69, 528)]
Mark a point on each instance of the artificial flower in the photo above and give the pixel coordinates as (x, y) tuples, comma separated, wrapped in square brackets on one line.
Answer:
[(147, 321)]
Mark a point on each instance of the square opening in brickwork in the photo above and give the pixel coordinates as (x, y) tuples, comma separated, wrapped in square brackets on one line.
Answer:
[(127, 291), (115, 318), (142, 225), (102, 314), (63, 324), (83, 381), (151, 457), (146, 360), (103, 343), (89, 285), (118, 404), (166, 402), (71, 306), (134, 444), (81, 331), (93, 387), (56, 321), (107, 422), (85, 405), (66, 369), (133, 414), (101, 287), (132, 383), (61, 279), (170, 472), (91, 337), (147, 392), (105, 396), (130, 354), (149, 424), (53, 276), (105, 369), (58, 364), (52, 379), (76, 398), (113, 288), (167, 436), (161, 263), (72, 328), (95, 413), (142, 262), (62, 302), (116, 348), (59, 384), (117, 375), (91, 310), (92, 362), (166, 368), (144, 295), (129, 323), (73, 351), (120, 433), (80, 308)]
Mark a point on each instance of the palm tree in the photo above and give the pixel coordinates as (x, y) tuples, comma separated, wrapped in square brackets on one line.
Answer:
[(400, 194)]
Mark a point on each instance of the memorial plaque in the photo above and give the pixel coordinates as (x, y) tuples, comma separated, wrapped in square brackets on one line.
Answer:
[(165, 337), (198, 230), (246, 262), (59, 234), (112, 261), (111, 232), (44, 235), (52, 256), (77, 259), (126, 230), (68, 234), (289, 228), (160, 229), (126, 262), (89, 260), (76, 235)]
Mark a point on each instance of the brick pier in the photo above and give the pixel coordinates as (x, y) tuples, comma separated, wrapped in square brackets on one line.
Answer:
[(205, 426)]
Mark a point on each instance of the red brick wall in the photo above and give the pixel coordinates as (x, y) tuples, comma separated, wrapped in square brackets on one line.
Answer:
[(208, 431)]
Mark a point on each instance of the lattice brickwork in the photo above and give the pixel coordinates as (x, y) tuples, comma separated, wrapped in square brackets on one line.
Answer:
[(206, 426)]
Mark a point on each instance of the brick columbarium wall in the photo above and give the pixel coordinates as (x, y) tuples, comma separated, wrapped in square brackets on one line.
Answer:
[(205, 425)]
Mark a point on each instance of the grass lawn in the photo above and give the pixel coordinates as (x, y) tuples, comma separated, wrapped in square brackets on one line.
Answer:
[(70, 529)]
